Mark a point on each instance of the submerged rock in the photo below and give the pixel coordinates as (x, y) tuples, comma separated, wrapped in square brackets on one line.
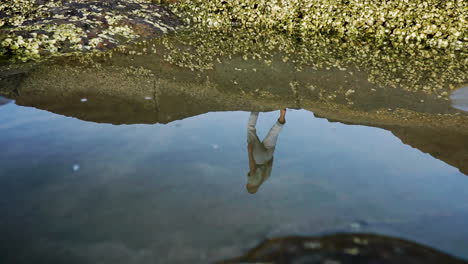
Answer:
[(343, 249)]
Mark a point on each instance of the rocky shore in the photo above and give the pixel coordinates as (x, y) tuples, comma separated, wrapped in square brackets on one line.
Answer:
[(401, 24), (30, 29), (33, 28)]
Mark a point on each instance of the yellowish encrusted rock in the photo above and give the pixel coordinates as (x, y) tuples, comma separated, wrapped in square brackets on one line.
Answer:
[(414, 23), (30, 29)]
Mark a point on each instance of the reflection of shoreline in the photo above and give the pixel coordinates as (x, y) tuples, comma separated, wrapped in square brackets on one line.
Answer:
[(443, 136), (445, 143), (116, 96), (343, 248)]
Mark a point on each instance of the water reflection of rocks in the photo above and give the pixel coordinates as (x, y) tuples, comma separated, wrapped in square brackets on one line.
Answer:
[(146, 90), (136, 90), (342, 248)]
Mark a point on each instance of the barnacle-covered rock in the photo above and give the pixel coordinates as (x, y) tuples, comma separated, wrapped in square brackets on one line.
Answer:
[(432, 71), (415, 23), (32, 28), (97, 25)]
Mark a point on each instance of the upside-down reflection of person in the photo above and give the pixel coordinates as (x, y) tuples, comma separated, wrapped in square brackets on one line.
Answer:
[(261, 153)]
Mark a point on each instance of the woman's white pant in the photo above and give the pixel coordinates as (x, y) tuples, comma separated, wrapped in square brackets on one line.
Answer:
[(262, 150)]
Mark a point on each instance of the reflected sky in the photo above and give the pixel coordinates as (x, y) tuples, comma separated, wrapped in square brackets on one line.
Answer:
[(81, 192), (460, 99), (4, 101)]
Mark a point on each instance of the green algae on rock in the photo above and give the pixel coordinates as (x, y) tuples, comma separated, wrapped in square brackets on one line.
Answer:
[(415, 23), (32, 28)]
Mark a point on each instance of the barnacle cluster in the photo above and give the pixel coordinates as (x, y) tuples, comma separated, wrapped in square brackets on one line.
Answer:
[(31, 28), (14, 13), (429, 70), (401, 23)]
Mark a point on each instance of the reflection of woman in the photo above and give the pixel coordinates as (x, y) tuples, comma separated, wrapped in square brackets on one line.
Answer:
[(261, 153)]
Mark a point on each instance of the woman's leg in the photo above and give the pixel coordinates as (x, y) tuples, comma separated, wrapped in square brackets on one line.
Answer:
[(251, 130), (270, 140)]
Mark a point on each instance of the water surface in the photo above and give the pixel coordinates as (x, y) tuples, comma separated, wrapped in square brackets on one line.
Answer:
[(140, 155), (83, 192)]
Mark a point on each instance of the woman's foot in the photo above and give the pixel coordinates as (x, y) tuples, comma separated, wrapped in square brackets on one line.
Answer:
[(282, 118)]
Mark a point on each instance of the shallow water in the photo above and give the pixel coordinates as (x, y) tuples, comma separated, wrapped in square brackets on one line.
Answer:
[(85, 192)]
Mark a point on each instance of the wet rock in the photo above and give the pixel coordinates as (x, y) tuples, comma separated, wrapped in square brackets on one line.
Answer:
[(410, 24), (427, 71), (32, 29), (343, 248)]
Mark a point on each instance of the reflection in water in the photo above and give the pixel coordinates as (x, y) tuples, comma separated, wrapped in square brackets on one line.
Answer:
[(261, 152), (159, 194), (142, 97), (460, 99), (4, 101)]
